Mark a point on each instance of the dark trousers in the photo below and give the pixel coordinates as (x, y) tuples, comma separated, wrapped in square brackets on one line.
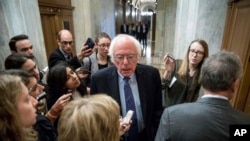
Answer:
[(144, 40), (142, 136)]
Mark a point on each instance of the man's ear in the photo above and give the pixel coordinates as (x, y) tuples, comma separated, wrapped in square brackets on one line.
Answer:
[(235, 85), (233, 89)]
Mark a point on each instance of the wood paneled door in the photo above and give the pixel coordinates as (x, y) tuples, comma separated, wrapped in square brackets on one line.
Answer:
[(54, 17), (237, 39)]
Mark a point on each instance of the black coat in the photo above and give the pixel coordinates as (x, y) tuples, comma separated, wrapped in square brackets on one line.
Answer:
[(57, 57), (46, 130), (149, 86)]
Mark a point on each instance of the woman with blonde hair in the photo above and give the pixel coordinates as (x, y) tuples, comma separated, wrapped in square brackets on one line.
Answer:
[(180, 82), (17, 108), (92, 118)]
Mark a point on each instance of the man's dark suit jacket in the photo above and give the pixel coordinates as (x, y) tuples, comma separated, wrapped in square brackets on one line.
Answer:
[(122, 29), (149, 86), (208, 119), (57, 56)]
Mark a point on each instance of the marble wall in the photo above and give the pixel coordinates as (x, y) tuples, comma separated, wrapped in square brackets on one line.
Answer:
[(165, 27), (91, 17), (21, 17), (182, 21)]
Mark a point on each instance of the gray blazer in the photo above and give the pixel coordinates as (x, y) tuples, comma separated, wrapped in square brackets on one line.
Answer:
[(208, 119), (91, 63)]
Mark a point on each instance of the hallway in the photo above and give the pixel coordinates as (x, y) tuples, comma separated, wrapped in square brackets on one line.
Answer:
[(149, 59), (177, 23)]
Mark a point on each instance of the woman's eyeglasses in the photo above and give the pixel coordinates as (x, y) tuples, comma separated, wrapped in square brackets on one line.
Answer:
[(130, 57), (194, 52), (104, 45)]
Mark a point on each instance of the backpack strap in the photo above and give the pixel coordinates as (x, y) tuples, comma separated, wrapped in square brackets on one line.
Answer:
[(90, 63)]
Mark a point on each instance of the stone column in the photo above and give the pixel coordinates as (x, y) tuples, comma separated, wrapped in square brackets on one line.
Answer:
[(165, 27), (179, 22), (199, 19), (91, 17)]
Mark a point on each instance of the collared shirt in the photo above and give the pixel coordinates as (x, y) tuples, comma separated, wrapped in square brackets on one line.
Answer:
[(214, 96), (135, 91), (65, 54)]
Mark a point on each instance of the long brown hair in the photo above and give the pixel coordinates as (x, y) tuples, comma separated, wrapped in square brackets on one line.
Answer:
[(10, 125)]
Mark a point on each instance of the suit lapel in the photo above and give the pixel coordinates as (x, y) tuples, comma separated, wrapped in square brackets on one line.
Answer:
[(141, 80), (61, 54), (113, 84)]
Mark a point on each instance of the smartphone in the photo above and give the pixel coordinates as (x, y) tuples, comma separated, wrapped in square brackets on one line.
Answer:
[(66, 91), (90, 43), (129, 115), (41, 96), (171, 57)]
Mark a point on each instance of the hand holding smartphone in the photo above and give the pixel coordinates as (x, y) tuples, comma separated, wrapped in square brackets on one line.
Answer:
[(90, 43), (67, 91)]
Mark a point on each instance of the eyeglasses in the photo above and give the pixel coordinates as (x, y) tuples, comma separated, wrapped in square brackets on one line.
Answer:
[(66, 43), (104, 45), (130, 57), (198, 53)]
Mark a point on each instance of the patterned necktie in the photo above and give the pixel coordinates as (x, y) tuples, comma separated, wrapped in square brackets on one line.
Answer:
[(130, 105), (68, 57)]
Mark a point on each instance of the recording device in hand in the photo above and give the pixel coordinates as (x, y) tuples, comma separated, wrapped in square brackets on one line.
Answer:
[(129, 115), (41, 96), (67, 91), (90, 43)]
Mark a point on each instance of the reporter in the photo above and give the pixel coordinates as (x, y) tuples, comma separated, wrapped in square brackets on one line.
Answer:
[(60, 79), (84, 117), (64, 53), (17, 108), (180, 82), (43, 129), (24, 62)]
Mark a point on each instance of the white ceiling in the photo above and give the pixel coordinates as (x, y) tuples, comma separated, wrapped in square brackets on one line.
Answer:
[(148, 1), (148, 4), (144, 5)]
